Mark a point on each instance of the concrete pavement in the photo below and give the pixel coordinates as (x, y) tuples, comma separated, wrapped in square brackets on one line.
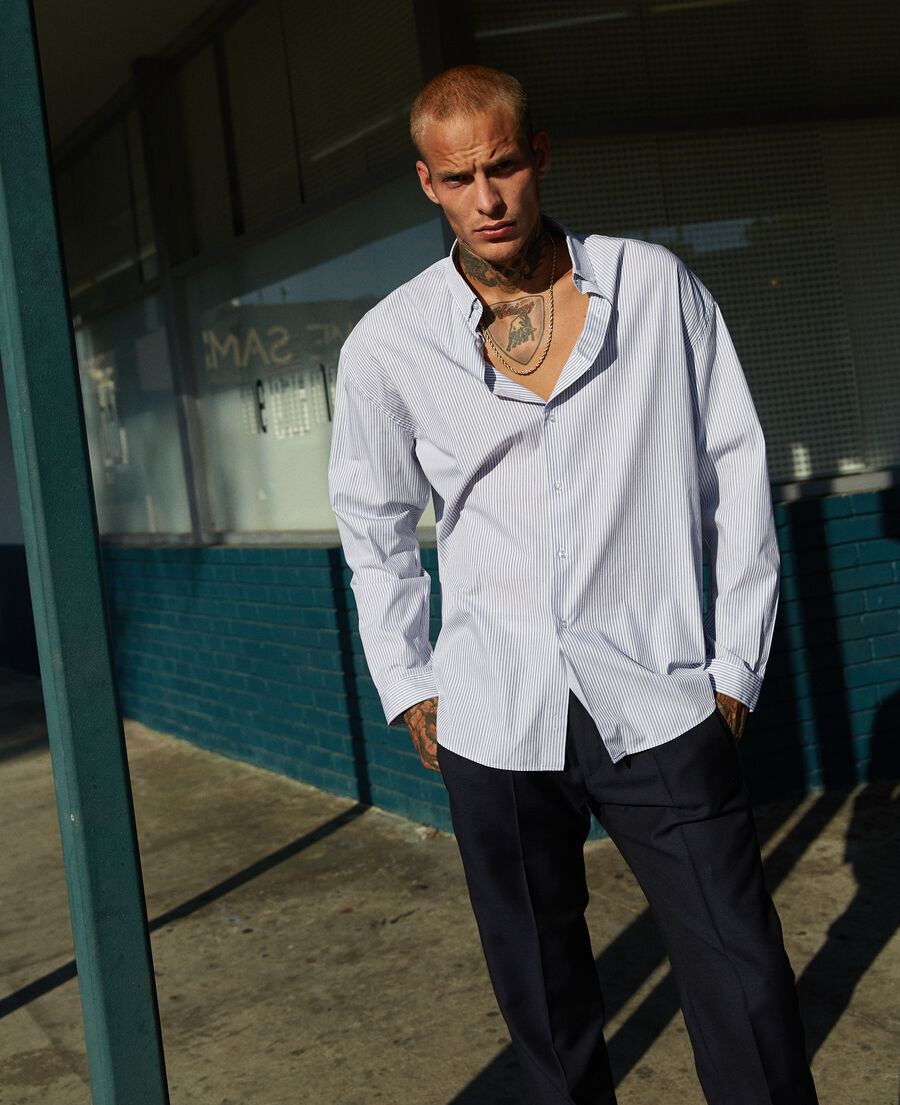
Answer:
[(311, 951)]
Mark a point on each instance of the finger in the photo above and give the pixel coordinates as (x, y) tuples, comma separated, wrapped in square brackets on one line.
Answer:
[(427, 749), (429, 757)]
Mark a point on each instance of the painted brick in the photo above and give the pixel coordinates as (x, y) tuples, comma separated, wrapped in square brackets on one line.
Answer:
[(856, 579), (877, 672), (865, 697), (851, 602), (837, 506), (886, 646), (885, 622), (256, 653), (812, 587), (812, 706), (880, 550), (868, 502), (861, 724), (884, 598), (377, 734), (856, 652), (790, 612), (856, 528), (842, 556), (401, 757)]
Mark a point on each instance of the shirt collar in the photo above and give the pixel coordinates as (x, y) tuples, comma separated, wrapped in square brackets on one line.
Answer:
[(467, 301), (584, 273)]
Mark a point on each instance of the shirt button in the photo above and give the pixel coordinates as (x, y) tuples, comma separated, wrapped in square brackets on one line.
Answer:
[(551, 417), (563, 624), (557, 487), (562, 554)]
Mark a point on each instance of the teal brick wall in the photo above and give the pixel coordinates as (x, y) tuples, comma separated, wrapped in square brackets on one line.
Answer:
[(255, 653), (830, 711)]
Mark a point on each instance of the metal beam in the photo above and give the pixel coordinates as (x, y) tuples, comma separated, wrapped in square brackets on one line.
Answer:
[(96, 816), (156, 114)]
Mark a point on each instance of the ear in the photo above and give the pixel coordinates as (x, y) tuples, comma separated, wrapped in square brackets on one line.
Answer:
[(540, 146), (425, 180)]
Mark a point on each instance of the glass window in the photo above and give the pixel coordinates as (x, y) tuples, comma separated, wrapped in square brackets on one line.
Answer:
[(580, 90), (266, 331), (862, 167), (763, 242), (143, 222), (855, 50), (355, 71), (104, 212), (288, 103), (72, 192), (795, 227), (204, 151), (258, 90), (129, 410), (725, 59)]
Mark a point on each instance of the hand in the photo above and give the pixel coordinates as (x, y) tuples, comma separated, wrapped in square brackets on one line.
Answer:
[(422, 722), (734, 712)]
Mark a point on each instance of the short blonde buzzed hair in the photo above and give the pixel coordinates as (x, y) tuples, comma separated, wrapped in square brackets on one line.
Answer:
[(468, 90)]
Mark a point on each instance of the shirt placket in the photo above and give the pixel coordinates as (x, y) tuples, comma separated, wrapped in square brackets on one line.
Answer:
[(556, 487), (554, 433)]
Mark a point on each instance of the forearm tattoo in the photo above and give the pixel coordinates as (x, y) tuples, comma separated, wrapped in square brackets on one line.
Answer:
[(734, 712), (422, 714), (421, 721)]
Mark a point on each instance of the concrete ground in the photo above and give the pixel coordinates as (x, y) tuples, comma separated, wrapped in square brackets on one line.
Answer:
[(308, 951)]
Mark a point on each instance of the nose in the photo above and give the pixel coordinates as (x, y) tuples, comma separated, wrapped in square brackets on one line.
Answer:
[(486, 196)]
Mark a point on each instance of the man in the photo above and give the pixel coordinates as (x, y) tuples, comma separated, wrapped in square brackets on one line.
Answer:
[(576, 409)]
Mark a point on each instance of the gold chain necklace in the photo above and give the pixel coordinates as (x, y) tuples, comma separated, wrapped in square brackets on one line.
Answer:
[(487, 334)]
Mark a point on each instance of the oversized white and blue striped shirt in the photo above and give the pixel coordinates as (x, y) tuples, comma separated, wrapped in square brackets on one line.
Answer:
[(570, 532)]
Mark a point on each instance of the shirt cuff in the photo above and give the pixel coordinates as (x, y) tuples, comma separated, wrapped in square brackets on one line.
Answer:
[(737, 682), (414, 687)]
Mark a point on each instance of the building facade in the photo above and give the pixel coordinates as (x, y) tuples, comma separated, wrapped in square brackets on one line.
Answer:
[(248, 193)]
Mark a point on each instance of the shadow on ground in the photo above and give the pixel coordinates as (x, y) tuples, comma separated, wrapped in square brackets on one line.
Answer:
[(854, 941), (68, 970)]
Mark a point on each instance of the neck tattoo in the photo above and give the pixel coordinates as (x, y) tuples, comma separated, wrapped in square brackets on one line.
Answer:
[(510, 276), (489, 338)]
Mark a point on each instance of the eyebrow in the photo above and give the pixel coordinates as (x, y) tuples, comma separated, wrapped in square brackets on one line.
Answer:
[(506, 155)]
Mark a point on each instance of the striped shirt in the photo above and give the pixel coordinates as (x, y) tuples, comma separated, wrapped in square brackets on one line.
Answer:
[(570, 532)]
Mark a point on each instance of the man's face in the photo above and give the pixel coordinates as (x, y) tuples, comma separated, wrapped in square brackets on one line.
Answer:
[(484, 175)]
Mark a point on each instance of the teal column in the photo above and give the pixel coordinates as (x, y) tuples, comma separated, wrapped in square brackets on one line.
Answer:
[(93, 792)]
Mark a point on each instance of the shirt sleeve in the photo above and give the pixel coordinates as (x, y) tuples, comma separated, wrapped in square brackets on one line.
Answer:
[(738, 525), (378, 493)]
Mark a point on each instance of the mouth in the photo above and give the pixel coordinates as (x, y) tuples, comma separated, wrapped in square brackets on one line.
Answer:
[(494, 231)]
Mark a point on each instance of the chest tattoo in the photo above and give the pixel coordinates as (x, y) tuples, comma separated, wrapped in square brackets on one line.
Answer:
[(518, 326)]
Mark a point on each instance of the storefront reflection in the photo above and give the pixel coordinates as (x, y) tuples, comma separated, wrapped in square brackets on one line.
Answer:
[(266, 363), (132, 429)]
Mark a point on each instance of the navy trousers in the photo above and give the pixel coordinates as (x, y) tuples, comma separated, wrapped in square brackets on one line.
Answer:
[(680, 817)]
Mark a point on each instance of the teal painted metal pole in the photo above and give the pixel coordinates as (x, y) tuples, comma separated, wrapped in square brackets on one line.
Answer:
[(96, 816)]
